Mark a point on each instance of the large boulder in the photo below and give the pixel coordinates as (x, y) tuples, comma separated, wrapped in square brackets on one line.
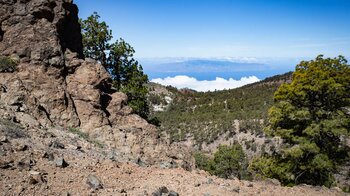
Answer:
[(52, 83), (84, 86)]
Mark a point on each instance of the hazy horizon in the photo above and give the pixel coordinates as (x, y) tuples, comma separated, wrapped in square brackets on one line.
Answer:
[(275, 34)]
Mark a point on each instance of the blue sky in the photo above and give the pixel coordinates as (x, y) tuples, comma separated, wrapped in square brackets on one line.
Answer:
[(241, 28), (274, 33)]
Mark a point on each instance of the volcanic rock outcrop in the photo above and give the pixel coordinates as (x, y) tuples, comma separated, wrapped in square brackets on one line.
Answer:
[(53, 83), (54, 86)]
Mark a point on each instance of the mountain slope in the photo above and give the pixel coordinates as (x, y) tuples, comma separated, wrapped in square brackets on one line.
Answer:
[(205, 116)]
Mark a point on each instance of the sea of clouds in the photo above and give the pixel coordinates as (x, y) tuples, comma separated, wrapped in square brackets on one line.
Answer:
[(183, 81)]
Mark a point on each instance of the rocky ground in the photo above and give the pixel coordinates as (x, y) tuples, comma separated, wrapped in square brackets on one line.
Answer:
[(57, 162)]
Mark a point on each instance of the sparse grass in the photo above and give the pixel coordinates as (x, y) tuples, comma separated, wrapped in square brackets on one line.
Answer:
[(12, 129), (85, 136), (10, 124), (78, 132), (7, 64)]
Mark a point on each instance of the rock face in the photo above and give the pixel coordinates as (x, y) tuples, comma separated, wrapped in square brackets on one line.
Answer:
[(53, 83), (54, 86)]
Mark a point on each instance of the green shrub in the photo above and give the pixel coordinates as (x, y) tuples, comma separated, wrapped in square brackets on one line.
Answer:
[(202, 161), (346, 188), (248, 144), (154, 121), (309, 115), (7, 64), (254, 147), (228, 162), (156, 99)]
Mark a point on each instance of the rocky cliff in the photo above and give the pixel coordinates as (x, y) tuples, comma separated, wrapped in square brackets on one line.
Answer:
[(53, 85)]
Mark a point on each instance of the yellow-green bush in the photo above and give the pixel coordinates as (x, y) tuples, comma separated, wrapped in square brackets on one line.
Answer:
[(7, 64)]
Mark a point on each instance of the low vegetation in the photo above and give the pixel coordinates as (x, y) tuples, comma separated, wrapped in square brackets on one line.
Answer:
[(7, 64), (12, 129), (85, 136), (228, 162)]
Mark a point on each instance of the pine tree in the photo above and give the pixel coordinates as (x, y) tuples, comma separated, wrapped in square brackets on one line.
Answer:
[(126, 72), (311, 115), (96, 37), (128, 76)]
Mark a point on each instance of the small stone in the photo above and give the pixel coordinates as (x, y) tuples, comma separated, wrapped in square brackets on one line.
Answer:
[(37, 177), (56, 144), (25, 164), (160, 191), (6, 164), (3, 139), (34, 173), (66, 194), (49, 156), (60, 162), (94, 182), (236, 189), (21, 147), (173, 193), (210, 181), (19, 190), (32, 180), (140, 162), (250, 185), (168, 165), (273, 181), (32, 162), (123, 191), (112, 155)]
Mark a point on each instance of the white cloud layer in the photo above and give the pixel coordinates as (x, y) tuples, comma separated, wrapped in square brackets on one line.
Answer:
[(205, 85)]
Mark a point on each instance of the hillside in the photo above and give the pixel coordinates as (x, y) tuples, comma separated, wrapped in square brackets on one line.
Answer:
[(204, 121), (206, 116)]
